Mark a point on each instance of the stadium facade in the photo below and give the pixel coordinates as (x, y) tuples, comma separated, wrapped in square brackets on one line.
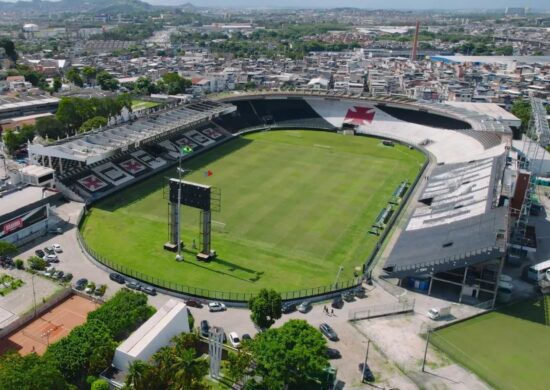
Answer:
[(457, 228)]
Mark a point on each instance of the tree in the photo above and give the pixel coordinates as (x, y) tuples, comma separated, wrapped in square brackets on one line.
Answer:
[(136, 374), (292, 355), (85, 351), (265, 308), (188, 370), (123, 313), (29, 372), (239, 363), (89, 73), (57, 84), (36, 263), (175, 84), (7, 249), (522, 109), (145, 86), (100, 384), (11, 141), (73, 75), (49, 127), (106, 81), (94, 123), (9, 48)]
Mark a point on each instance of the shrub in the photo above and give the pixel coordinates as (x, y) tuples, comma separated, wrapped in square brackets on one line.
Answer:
[(100, 384), (19, 264)]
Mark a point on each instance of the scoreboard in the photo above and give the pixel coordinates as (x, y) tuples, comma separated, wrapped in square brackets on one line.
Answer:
[(192, 194)]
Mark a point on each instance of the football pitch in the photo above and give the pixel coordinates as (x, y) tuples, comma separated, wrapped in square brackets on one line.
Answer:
[(295, 206), (508, 348)]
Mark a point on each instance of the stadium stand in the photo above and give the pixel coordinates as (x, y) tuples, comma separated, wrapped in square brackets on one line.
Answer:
[(424, 118), (486, 138), (282, 113), (458, 228)]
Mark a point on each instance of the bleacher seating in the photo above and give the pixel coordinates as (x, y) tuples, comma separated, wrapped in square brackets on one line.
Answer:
[(289, 113), (424, 118), (486, 138)]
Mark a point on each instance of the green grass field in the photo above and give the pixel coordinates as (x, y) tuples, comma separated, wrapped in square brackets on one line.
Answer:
[(295, 206), (508, 348), (141, 104)]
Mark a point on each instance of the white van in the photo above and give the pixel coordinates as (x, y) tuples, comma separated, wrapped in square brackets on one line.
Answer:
[(538, 271)]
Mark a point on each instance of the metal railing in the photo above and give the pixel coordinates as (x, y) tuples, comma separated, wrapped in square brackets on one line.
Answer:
[(204, 293), (386, 309)]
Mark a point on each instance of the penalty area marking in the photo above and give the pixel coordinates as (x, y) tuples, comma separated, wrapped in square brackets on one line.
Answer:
[(322, 146)]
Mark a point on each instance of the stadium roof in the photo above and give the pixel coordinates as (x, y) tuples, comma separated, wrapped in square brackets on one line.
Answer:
[(492, 110), (100, 144), (493, 59), (457, 222)]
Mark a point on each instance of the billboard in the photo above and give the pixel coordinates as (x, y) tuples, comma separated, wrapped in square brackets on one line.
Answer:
[(192, 194), (23, 221)]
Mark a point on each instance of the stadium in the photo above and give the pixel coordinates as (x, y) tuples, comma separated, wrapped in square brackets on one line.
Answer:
[(306, 189)]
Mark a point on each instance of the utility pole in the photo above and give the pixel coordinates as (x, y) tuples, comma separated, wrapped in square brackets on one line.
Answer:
[(33, 294), (426, 349)]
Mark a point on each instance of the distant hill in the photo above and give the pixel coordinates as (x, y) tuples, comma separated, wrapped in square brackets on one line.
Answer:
[(76, 6)]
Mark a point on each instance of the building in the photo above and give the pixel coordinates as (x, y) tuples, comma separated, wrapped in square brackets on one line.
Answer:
[(25, 213), (169, 321)]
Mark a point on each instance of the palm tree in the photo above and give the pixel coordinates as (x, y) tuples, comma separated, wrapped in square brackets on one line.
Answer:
[(163, 359), (136, 372), (188, 370)]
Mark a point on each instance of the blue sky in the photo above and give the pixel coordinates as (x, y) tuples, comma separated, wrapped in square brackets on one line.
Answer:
[(404, 4)]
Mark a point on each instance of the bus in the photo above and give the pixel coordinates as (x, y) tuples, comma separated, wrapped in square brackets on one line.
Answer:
[(537, 271)]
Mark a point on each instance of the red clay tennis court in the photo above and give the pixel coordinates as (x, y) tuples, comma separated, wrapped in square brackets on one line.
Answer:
[(54, 324)]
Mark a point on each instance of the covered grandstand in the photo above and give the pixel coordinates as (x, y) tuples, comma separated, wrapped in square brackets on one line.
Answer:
[(455, 240), (99, 162)]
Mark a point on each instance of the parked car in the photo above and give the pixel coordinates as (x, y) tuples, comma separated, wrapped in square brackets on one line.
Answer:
[(134, 286), (234, 339), (52, 258), (328, 332), (49, 272), (360, 292), (58, 274), (333, 353), (57, 248), (81, 284), (149, 290), (288, 307), (117, 277), (40, 253), (366, 373), (246, 337), (49, 250), (193, 303), (216, 306), (304, 307), (55, 231), (204, 328), (348, 296), (67, 277), (337, 302)]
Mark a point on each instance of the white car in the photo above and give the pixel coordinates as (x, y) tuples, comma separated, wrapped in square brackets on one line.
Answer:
[(57, 248), (51, 259), (216, 306), (234, 339)]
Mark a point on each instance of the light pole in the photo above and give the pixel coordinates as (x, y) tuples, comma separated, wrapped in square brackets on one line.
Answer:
[(179, 257), (426, 349), (33, 294), (366, 361)]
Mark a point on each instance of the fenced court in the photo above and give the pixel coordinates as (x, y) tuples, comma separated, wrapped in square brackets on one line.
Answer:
[(51, 326)]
